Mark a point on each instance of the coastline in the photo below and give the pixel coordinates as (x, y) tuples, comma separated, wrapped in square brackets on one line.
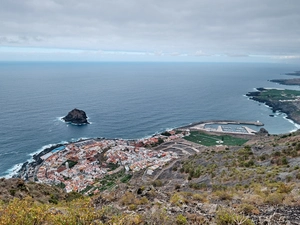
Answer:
[(279, 100), (29, 169)]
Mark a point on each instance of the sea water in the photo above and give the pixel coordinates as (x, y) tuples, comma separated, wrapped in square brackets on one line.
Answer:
[(125, 100)]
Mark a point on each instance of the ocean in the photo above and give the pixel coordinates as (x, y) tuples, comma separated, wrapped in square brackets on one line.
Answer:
[(125, 100)]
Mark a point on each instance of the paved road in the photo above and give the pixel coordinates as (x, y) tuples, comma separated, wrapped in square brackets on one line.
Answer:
[(180, 145)]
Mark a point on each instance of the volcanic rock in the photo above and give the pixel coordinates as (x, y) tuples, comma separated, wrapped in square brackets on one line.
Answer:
[(76, 116), (263, 132)]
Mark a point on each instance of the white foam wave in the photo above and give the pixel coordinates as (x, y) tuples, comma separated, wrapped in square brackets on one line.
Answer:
[(157, 132), (297, 126), (45, 147), (13, 171), (61, 119)]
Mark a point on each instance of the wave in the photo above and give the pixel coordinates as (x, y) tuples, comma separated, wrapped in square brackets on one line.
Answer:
[(297, 126), (61, 119), (12, 171), (45, 147)]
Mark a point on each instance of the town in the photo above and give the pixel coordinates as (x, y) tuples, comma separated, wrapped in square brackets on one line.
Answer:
[(77, 165)]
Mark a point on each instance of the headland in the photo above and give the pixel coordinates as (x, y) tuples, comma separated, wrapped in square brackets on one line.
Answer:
[(282, 100)]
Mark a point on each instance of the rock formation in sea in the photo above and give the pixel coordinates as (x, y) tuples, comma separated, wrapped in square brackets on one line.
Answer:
[(76, 116)]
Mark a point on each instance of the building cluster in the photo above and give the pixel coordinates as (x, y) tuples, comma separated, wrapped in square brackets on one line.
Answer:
[(76, 165), (137, 158)]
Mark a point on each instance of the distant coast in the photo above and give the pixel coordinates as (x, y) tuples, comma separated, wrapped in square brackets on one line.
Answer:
[(292, 81), (282, 100)]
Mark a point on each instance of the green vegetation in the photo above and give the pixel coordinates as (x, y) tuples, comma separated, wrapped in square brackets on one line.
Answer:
[(70, 162), (110, 181), (210, 140), (227, 217), (277, 94), (112, 166)]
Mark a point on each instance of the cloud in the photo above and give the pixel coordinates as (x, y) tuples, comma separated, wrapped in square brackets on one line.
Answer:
[(233, 27), (201, 53)]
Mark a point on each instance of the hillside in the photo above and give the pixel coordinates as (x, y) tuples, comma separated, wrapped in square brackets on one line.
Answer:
[(256, 183)]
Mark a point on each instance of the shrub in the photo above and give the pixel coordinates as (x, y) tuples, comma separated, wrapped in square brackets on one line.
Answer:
[(132, 207), (297, 148), (181, 220), (284, 188), (177, 199), (223, 195), (284, 161), (157, 183), (143, 201), (199, 197), (53, 199), (227, 217), (12, 192), (274, 199), (248, 209), (127, 199), (198, 186), (277, 153), (73, 195)]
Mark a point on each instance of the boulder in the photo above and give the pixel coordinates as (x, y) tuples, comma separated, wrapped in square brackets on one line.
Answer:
[(76, 116), (263, 132)]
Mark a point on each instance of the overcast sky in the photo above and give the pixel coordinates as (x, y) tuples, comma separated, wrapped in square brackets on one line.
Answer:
[(142, 30)]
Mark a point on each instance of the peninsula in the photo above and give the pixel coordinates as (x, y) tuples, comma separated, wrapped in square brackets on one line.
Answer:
[(293, 81), (283, 100)]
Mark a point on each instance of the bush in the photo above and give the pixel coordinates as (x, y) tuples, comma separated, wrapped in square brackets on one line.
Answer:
[(199, 197), (223, 195), (132, 207), (53, 199), (226, 217), (248, 209), (177, 199), (127, 199), (284, 161), (274, 199), (181, 220), (285, 188), (157, 183), (12, 192), (73, 195)]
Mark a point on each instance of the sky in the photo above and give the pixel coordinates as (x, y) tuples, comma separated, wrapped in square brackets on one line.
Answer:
[(150, 30)]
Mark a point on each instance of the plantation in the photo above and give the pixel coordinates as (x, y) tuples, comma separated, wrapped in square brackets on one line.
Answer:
[(277, 94)]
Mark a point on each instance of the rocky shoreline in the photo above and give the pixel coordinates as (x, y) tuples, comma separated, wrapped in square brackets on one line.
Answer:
[(294, 81), (290, 107), (28, 169)]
